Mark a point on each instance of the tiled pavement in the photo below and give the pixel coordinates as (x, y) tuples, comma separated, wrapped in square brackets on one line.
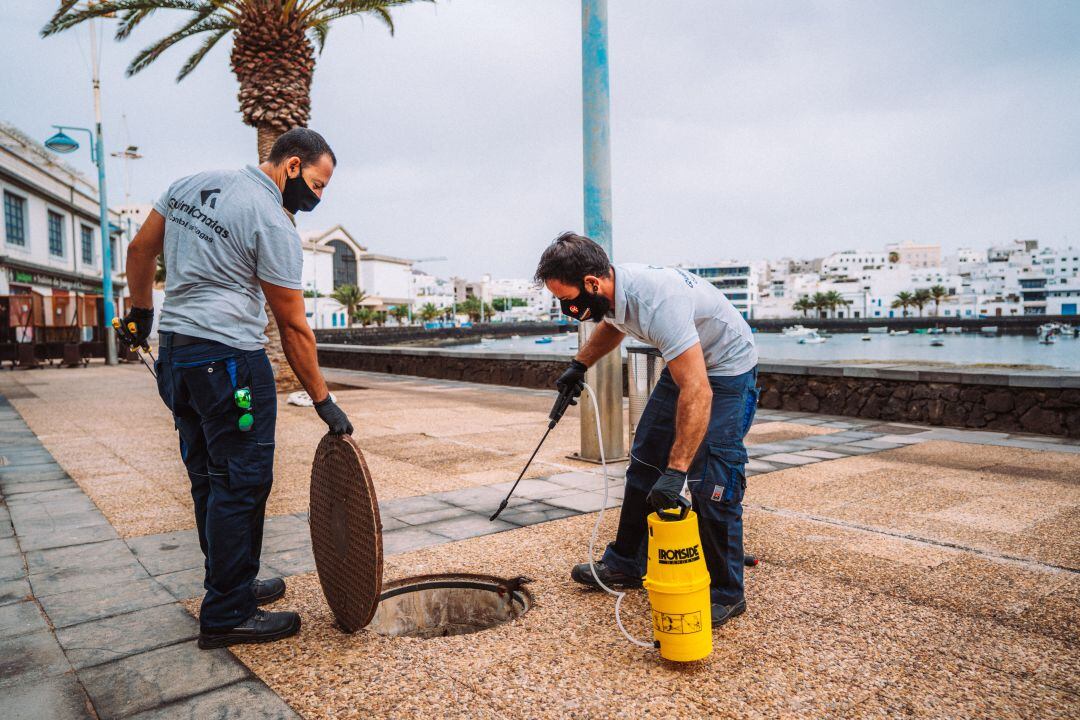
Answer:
[(90, 623), (85, 630)]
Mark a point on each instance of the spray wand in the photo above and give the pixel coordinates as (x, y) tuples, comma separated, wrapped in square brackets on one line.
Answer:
[(128, 336)]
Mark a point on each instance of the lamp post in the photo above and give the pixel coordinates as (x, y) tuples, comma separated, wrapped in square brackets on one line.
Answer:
[(63, 143), (605, 377)]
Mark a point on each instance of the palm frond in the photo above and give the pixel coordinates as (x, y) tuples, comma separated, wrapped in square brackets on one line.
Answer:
[(319, 32), (68, 17), (330, 10), (193, 27), (196, 58)]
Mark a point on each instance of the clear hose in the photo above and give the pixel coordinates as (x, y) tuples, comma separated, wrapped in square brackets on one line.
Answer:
[(596, 530)]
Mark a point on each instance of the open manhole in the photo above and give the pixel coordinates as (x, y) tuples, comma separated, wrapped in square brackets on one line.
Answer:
[(431, 606)]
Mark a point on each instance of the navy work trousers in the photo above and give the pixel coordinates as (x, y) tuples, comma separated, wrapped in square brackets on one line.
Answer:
[(231, 471), (717, 480)]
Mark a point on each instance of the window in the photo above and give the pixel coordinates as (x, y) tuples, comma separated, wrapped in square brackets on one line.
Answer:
[(56, 234), (15, 219), (113, 252), (86, 237), (344, 264)]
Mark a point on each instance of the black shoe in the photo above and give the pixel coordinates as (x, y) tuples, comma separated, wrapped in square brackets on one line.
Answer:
[(262, 627), (267, 591), (722, 613), (612, 578)]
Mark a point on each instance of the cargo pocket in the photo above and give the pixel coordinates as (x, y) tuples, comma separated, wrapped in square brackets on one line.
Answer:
[(752, 397), (725, 475)]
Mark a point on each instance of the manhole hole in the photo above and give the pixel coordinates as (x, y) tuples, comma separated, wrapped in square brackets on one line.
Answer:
[(431, 606)]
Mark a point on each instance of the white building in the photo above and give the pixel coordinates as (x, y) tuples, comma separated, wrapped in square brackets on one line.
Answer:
[(528, 300), (737, 280), (429, 289), (333, 258), (916, 255), (51, 242), (850, 263)]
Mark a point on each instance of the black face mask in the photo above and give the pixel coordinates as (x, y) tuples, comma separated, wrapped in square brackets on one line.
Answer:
[(586, 306), (298, 195)]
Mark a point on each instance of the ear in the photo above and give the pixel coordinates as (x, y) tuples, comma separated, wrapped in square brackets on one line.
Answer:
[(592, 283), (292, 166)]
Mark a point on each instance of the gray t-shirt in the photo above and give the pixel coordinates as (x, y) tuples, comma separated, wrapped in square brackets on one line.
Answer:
[(672, 310), (224, 231)]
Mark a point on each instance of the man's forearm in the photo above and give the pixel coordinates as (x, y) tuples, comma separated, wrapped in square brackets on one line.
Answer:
[(299, 346), (141, 266), (603, 340), (691, 423)]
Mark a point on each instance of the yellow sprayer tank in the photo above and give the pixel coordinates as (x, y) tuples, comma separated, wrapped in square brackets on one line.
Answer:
[(678, 584)]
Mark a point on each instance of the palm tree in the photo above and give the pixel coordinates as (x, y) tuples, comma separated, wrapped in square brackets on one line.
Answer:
[(365, 315), (904, 300), (834, 300), (274, 44), (803, 305), (937, 294), (429, 312), (820, 302), (350, 297), (920, 298), (401, 313)]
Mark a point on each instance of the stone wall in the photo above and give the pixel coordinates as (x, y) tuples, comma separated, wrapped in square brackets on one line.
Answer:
[(1006, 400), (409, 335)]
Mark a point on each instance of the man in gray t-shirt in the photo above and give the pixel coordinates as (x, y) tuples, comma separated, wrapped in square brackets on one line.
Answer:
[(692, 428), (230, 248)]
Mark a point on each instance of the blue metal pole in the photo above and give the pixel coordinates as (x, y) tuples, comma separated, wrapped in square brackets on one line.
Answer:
[(596, 106), (605, 377), (106, 253)]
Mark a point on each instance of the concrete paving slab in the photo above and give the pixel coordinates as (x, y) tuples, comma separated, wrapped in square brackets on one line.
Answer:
[(757, 466), (822, 454), (183, 584), (285, 525), (430, 516), (9, 546), (245, 700), (14, 591), (79, 606), (29, 656), (85, 578), (587, 502), (284, 543), (112, 638), (406, 506), (390, 523), (536, 489), (167, 553), (12, 489), (152, 679), (12, 567), (289, 562), (55, 698), (538, 513), (65, 537), (21, 618), (467, 527), (106, 554), (789, 459), (578, 480), (901, 439), (405, 540)]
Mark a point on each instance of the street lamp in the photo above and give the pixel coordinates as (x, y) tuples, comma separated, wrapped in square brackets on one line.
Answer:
[(63, 143)]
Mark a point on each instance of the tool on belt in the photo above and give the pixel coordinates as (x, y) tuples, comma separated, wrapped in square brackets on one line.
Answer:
[(566, 398)]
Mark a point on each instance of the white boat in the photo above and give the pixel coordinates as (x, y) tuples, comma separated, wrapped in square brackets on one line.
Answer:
[(811, 339), (899, 332), (953, 330), (798, 331), (866, 338), (934, 331), (562, 338), (937, 343), (515, 337), (988, 330), (877, 330)]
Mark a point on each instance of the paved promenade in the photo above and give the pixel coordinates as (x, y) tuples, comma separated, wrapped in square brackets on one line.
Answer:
[(907, 571)]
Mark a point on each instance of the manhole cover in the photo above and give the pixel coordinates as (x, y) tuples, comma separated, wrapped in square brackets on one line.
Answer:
[(431, 606), (346, 532)]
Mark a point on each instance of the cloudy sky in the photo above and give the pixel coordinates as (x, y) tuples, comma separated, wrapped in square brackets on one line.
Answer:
[(739, 129)]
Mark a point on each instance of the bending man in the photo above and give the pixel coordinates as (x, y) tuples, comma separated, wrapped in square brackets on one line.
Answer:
[(693, 425)]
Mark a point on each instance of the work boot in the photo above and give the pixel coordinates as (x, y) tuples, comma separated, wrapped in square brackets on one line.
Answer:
[(267, 591), (722, 613), (612, 578), (261, 627)]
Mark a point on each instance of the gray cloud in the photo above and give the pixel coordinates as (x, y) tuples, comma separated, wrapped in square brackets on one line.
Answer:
[(739, 129)]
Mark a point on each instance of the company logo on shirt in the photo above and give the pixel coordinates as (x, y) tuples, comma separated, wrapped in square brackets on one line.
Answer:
[(211, 195), (195, 214)]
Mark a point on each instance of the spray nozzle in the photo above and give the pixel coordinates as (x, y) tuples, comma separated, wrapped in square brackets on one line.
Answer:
[(565, 399)]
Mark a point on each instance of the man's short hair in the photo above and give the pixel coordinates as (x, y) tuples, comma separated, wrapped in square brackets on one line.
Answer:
[(570, 258), (305, 144)]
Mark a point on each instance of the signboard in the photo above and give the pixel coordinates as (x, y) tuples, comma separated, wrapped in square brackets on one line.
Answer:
[(40, 278)]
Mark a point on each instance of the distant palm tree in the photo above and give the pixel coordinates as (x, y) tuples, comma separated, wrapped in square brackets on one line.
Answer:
[(920, 299), (365, 315), (350, 297), (803, 305), (820, 302), (834, 300), (937, 294), (401, 313), (429, 312), (904, 300)]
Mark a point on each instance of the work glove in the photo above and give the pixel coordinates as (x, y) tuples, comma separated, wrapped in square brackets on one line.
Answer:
[(143, 319), (334, 417), (666, 493), (572, 381)]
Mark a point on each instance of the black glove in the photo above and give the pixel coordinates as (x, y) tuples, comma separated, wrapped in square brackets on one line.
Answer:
[(667, 492), (572, 381), (334, 417), (143, 319)]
